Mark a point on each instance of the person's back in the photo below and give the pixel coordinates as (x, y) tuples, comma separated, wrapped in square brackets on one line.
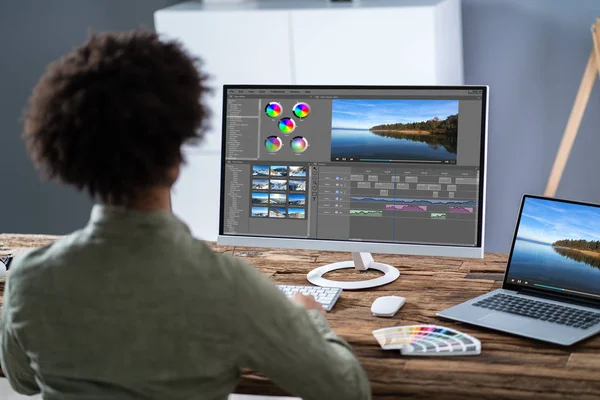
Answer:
[(132, 306)]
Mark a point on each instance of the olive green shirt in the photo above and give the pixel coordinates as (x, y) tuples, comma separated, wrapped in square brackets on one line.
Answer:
[(133, 307)]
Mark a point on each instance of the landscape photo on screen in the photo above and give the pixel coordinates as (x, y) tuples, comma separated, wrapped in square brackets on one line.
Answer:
[(279, 170), (260, 198), (260, 170), (277, 198), (298, 171), (262, 212), (297, 185), (277, 212), (279, 184), (260, 184), (379, 130), (558, 243), (297, 213), (297, 199)]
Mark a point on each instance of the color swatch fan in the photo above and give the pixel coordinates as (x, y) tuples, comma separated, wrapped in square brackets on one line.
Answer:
[(427, 340)]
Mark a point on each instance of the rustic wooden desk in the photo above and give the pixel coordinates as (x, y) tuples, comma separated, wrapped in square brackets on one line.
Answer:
[(508, 367)]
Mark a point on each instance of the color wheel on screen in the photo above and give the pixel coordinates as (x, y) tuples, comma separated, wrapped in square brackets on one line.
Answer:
[(273, 109), (301, 110), (287, 125), (273, 144), (299, 144), (427, 340)]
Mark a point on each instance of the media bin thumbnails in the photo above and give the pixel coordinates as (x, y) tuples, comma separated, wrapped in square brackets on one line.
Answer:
[(280, 170), (278, 212), (278, 191)]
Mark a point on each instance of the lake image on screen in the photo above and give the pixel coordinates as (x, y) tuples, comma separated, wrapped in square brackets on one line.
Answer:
[(558, 244), (394, 129)]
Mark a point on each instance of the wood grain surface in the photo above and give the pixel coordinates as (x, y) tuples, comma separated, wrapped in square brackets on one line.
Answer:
[(509, 367)]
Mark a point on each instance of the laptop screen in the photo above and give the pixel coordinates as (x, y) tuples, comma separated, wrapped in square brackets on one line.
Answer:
[(557, 248)]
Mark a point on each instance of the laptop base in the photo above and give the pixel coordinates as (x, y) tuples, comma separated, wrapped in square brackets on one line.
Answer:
[(518, 325)]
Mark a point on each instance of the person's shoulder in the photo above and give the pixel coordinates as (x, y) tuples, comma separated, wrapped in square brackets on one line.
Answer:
[(25, 261), (31, 262), (223, 259)]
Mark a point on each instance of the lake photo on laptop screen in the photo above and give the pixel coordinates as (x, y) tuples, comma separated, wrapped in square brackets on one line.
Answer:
[(394, 129), (558, 243)]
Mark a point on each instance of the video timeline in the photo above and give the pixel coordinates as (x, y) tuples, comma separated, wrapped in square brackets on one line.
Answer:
[(380, 206)]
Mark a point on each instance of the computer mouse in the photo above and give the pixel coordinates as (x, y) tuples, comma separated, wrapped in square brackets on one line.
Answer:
[(387, 306)]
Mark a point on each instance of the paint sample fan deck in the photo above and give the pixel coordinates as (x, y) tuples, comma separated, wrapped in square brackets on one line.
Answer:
[(427, 340)]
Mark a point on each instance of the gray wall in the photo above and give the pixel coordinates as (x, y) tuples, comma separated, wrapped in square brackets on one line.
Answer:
[(531, 52), (32, 34)]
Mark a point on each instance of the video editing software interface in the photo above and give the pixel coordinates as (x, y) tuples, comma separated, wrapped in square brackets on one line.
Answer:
[(557, 248), (376, 165)]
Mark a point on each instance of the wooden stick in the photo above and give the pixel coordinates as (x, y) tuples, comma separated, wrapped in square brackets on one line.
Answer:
[(596, 38), (581, 100)]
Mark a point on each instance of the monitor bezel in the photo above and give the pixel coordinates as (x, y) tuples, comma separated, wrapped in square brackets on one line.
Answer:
[(518, 288), (449, 250)]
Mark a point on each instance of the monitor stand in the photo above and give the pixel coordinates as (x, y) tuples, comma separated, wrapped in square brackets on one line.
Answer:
[(362, 262)]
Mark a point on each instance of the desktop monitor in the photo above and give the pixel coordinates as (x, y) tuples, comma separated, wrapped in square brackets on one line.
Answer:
[(362, 169)]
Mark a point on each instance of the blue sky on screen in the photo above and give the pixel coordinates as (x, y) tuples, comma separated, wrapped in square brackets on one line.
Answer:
[(365, 113), (548, 221)]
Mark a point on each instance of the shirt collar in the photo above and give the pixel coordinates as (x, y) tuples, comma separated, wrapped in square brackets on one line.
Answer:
[(105, 216)]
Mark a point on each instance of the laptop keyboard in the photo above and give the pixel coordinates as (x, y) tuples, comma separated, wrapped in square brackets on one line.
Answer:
[(562, 315)]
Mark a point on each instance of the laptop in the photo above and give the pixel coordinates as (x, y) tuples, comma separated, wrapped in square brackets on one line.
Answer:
[(551, 287)]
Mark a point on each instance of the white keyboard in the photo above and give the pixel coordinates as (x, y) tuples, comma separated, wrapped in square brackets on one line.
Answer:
[(327, 296)]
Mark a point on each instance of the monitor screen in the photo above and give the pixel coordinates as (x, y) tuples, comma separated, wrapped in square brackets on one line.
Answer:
[(387, 165), (557, 248)]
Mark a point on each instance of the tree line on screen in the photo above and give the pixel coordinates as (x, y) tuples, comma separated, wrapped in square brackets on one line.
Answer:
[(579, 244), (448, 126)]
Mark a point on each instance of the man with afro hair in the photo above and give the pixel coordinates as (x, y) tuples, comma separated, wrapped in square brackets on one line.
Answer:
[(132, 306)]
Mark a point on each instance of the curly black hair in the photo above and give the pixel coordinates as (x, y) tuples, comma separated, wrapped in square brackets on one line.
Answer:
[(110, 117)]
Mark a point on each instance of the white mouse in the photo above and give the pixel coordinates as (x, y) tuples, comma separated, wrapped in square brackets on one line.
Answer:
[(387, 306)]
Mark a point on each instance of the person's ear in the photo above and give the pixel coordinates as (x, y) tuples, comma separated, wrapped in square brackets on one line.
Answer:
[(174, 173)]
